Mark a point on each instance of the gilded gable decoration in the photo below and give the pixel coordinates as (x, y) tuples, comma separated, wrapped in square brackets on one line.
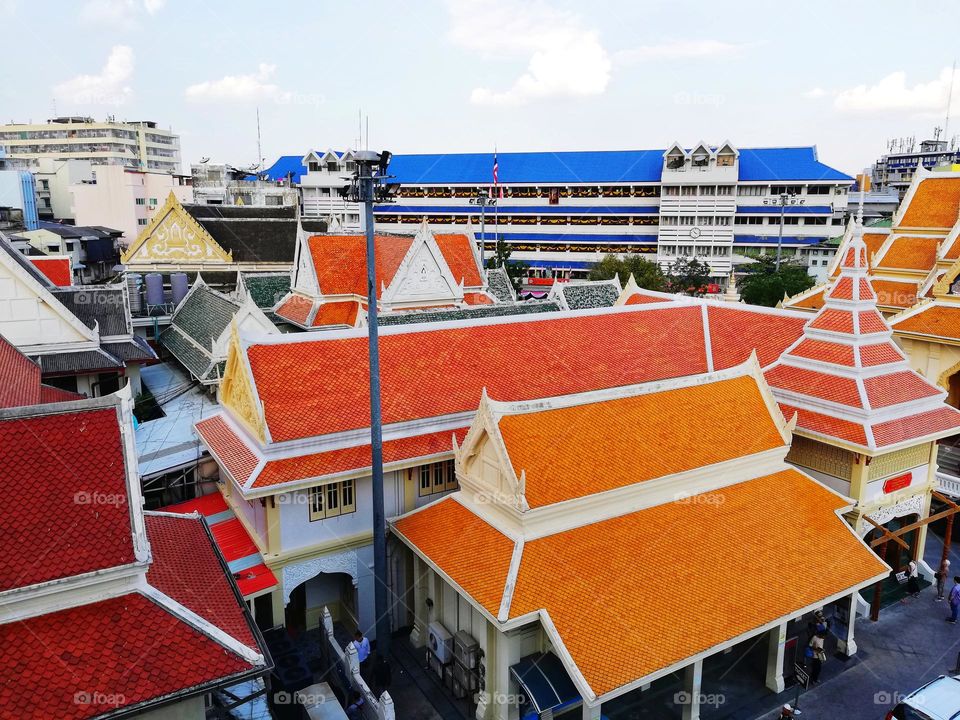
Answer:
[(174, 236)]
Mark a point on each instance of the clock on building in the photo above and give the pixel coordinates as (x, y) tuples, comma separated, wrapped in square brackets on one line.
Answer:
[(695, 232)]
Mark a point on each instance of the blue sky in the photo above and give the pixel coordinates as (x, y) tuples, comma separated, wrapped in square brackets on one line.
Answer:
[(437, 76)]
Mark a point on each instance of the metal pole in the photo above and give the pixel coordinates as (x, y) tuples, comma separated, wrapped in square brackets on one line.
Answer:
[(483, 226), (783, 207), (381, 600)]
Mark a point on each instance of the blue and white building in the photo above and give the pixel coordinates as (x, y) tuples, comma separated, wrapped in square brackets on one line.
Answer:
[(561, 211)]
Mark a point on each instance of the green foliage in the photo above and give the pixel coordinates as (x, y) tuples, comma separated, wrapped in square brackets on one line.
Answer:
[(646, 273), (688, 276), (764, 285), (517, 270)]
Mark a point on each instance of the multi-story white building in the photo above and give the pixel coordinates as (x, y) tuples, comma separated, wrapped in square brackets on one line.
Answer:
[(562, 211), (54, 178), (217, 184), (139, 144), (894, 171)]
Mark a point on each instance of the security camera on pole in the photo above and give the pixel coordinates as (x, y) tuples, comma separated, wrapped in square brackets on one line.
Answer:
[(784, 199), (366, 187)]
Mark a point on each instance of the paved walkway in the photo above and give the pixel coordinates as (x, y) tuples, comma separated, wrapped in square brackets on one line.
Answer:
[(909, 646)]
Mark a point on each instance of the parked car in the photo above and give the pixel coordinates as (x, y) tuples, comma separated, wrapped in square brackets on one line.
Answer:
[(937, 700)]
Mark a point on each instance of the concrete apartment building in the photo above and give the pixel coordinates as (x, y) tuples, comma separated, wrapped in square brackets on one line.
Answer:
[(139, 144)]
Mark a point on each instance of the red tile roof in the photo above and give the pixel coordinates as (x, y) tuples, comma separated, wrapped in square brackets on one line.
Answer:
[(333, 462), (828, 352), (944, 420), (840, 321), (641, 299), (296, 309), (337, 313), (64, 479), (340, 261), (56, 269), (892, 293), (879, 354), (826, 425), (897, 387), (187, 568), (317, 386), (934, 320), (228, 447), (909, 252), (20, 383), (817, 384), (97, 658), (477, 298)]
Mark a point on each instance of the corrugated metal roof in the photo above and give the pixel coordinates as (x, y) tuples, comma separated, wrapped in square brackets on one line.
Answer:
[(578, 167)]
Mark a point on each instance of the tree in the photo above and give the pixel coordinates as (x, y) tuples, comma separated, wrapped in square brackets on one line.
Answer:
[(646, 273), (689, 277), (764, 285), (516, 270)]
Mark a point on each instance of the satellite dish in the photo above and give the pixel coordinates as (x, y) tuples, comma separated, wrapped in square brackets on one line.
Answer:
[(204, 160)]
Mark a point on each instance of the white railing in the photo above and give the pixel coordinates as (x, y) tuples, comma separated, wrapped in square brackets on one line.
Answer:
[(373, 708), (948, 484)]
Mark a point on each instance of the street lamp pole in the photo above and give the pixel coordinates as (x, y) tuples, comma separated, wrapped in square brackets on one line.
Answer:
[(371, 170), (482, 199)]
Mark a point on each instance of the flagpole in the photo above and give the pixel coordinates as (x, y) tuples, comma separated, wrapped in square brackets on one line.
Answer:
[(496, 207)]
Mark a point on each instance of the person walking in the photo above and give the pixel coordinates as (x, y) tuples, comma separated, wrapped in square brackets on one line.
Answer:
[(913, 579), (817, 656), (954, 600), (362, 644), (941, 576)]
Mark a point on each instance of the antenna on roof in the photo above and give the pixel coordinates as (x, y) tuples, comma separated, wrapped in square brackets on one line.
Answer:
[(946, 122), (259, 148)]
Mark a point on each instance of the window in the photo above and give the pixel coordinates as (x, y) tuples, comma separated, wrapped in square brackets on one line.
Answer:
[(739, 220), (69, 246), (749, 190), (815, 221), (437, 478), (313, 167), (725, 190), (818, 190), (722, 220), (708, 190), (788, 189), (671, 191), (688, 190), (687, 220), (153, 201), (141, 221), (141, 201), (668, 220), (725, 160), (331, 500), (791, 221)]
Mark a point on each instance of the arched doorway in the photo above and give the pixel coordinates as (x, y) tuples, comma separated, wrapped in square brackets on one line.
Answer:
[(953, 390), (335, 591)]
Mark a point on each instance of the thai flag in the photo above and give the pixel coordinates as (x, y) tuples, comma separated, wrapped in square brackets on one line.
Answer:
[(496, 178)]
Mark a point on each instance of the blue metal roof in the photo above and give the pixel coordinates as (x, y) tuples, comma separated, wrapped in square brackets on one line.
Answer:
[(772, 240), (521, 209), (570, 237), (286, 164), (788, 209), (558, 264), (590, 166)]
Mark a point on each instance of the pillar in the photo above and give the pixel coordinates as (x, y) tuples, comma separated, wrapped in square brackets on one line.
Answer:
[(692, 687), (271, 511), (591, 712), (418, 636), (776, 640), (846, 644), (276, 600)]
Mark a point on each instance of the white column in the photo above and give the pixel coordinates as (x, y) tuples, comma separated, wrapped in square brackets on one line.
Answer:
[(846, 644), (591, 712), (776, 640), (692, 687)]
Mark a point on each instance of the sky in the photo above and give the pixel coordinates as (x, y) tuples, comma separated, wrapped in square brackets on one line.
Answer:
[(464, 76)]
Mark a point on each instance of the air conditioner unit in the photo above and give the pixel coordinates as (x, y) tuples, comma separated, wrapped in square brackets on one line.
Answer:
[(466, 648), (441, 642)]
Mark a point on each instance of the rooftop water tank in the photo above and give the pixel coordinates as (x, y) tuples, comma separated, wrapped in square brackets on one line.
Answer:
[(154, 289), (133, 289), (179, 287)]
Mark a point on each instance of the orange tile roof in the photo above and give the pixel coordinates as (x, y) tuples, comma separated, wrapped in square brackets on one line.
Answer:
[(953, 252), (474, 554), (477, 298), (337, 313), (934, 204), (813, 301), (460, 258), (621, 442), (826, 425), (911, 253), (936, 320), (641, 299), (228, 447), (834, 320), (295, 308), (317, 386), (333, 462), (817, 384), (340, 261), (891, 293), (874, 241), (872, 322), (618, 626), (897, 387)]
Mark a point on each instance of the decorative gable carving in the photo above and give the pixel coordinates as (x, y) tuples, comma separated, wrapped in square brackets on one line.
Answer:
[(423, 275), (236, 390), (174, 236)]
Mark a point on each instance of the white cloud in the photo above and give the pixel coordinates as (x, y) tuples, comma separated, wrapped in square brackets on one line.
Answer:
[(564, 57), (240, 88), (681, 50), (108, 87), (815, 93), (893, 93), (120, 14)]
